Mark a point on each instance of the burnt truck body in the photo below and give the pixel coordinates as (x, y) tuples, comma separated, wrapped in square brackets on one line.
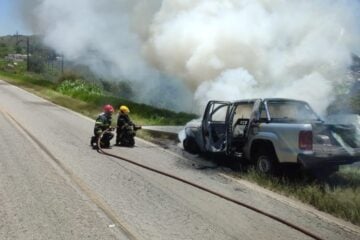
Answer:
[(273, 131)]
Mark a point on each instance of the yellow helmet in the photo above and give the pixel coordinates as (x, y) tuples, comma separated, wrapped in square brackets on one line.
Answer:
[(124, 109)]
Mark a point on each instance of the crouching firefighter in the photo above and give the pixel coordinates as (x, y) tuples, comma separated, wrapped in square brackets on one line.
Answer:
[(103, 123), (126, 129)]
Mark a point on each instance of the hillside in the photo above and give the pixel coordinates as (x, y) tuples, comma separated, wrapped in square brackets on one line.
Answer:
[(51, 66), (47, 79)]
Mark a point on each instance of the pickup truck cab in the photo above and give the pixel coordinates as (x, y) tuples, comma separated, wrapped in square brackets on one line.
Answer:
[(273, 131)]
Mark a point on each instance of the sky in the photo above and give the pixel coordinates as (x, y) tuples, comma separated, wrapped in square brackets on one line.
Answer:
[(10, 21)]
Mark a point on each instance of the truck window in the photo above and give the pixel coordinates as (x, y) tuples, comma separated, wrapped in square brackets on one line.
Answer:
[(263, 115), (219, 113), (243, 111), (294, 111)]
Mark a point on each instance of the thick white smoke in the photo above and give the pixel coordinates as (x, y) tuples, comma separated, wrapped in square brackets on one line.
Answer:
[(243, 49), (108, 36), (228, 49)]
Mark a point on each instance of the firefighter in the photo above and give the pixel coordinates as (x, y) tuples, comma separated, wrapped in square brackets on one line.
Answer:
[(125, 131), (103, 122)]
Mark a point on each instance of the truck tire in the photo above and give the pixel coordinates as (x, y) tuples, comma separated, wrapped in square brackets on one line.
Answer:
[(266, 162), (190, 145)]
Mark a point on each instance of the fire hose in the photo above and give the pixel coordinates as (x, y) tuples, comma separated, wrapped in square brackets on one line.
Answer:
[(237, 202)]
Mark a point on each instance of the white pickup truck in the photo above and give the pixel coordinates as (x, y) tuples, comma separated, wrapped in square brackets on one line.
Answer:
[(273, 131)]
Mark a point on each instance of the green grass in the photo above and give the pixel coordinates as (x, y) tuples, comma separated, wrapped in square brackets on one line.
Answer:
[(79, 89), (339, 195), (88, 99)]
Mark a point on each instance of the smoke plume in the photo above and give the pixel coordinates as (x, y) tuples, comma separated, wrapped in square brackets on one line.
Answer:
[(176, 50)]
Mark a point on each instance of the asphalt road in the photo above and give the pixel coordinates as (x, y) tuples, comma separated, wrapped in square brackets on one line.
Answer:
[(54, 186)]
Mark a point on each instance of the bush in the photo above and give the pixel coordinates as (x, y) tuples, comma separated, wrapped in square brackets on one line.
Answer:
[(36, 64), (4, 50), (79, 89), (122, 88), (69, 76)]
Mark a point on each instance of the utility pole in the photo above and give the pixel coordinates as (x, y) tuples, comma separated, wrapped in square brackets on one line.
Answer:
[(17, 37), (28, 54), (18, 40), (62, 63)]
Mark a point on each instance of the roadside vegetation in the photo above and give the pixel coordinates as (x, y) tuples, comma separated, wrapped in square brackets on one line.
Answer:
[(74, 87), (339, 195), (87, 98)]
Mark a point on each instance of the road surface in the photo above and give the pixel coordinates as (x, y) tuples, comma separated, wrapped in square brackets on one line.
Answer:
[(54, 186)]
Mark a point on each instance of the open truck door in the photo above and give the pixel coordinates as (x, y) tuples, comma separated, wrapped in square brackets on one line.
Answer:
[(242, 117), (214, 129)]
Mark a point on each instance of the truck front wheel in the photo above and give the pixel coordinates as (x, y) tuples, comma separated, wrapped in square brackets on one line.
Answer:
[(190, 145)]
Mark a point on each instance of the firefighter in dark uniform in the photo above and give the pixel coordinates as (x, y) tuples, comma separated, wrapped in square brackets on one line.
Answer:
[(102, 123), (125, 131)]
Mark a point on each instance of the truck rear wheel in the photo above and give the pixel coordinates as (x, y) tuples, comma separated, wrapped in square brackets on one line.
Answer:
[(266, 163)]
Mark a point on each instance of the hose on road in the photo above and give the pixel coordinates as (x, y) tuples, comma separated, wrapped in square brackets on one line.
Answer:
[(278, 219)]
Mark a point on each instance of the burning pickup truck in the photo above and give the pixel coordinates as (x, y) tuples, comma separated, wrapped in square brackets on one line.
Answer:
[(270, 132)]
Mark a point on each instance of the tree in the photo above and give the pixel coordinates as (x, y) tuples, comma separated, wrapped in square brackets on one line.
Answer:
[(4, 50), (36, 63)]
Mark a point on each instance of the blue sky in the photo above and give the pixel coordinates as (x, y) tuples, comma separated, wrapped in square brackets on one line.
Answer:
[(10, 20)]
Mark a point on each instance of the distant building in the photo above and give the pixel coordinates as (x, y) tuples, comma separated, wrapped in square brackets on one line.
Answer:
[(15, 57)]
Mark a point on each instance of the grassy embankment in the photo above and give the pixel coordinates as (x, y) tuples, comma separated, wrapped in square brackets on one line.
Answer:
[(88, 99), (339, 195)]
